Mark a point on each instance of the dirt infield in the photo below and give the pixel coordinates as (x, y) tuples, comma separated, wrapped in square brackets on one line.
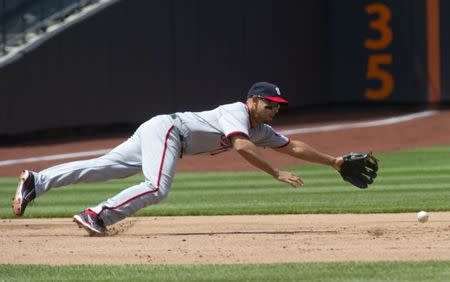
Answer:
[(239, 239), (230, 239)]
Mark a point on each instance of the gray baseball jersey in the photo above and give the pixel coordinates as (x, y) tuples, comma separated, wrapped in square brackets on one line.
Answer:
[(154, 149)]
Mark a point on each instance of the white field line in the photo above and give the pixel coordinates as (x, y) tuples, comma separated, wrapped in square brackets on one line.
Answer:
[(340, 126), (364, 124), (55, 157)]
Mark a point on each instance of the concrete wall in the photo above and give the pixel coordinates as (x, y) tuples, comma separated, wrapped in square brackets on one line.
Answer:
[(139, 58)]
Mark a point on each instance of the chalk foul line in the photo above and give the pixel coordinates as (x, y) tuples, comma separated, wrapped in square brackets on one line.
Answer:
[(364, 124), (55, 157), (333, 127)]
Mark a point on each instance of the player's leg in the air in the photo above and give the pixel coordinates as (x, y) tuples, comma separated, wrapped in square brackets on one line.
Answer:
[(123, 161)]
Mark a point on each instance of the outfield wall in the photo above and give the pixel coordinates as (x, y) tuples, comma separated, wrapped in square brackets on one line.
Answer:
[(139, 58), (445, 49), (378, 51)]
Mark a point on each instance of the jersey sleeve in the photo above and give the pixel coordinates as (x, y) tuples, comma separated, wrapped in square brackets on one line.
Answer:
[(234, 120), (266, 136)]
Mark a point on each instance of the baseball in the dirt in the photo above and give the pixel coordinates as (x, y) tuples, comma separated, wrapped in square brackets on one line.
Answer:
[(422, 216)]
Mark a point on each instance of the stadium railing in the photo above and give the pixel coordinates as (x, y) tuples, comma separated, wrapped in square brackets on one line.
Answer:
[(19, 19)]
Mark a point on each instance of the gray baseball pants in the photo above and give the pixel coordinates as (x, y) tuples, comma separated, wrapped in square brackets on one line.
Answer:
[(154, 148)]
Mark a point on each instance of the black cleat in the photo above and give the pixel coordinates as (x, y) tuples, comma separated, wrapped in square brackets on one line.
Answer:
[(25, 193), (90, 222)]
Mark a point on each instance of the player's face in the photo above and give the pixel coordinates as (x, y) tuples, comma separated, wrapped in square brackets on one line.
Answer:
[(266, 110)]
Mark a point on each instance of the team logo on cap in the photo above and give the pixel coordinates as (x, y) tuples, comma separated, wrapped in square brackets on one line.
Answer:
[(278, 90)]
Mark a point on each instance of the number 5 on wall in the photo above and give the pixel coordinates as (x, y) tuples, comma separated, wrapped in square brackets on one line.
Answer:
[(374, 71)]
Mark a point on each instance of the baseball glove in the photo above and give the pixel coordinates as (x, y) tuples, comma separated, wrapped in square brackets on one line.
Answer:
[(360, 169)]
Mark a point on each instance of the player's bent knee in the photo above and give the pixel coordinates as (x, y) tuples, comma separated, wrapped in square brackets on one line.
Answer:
[(156, 195), (163, 193)]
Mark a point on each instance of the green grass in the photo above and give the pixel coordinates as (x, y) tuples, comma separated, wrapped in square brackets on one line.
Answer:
[(408, 181), (378, 271)]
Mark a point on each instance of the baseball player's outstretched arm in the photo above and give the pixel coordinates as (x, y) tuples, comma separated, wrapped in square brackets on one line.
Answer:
[(248, 151), (305, 152)]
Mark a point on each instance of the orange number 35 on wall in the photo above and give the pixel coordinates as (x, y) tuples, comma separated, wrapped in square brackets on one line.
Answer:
[(375, 61)]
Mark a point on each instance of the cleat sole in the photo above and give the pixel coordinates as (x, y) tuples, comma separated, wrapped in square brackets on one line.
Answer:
[(17, 201), (82, 224)]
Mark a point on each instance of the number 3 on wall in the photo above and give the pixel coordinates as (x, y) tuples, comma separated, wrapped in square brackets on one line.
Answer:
[(375, 61)]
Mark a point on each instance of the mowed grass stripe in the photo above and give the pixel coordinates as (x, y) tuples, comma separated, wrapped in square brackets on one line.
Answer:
[(242, 185)]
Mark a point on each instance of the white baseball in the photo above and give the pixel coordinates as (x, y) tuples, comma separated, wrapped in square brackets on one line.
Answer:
[(422, 216)]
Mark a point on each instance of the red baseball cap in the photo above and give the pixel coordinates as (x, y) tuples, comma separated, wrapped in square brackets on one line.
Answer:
[(267, 91)]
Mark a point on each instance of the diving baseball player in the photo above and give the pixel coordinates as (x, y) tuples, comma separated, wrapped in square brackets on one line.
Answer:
[(158, 143)]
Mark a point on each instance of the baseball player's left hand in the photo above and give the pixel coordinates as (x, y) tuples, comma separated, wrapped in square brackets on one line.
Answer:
[(337, 164), (290, 178), (360, 169)]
